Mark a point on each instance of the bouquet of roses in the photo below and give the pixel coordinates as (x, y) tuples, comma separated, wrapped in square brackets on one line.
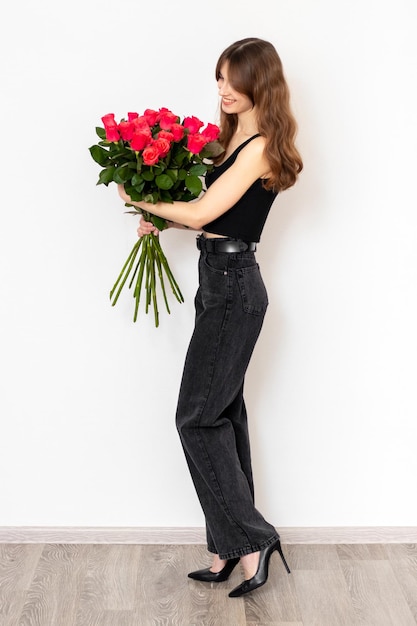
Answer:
[(157, 158)]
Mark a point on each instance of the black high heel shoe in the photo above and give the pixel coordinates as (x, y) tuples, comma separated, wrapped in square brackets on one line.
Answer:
[(261, 575), (207, 576)]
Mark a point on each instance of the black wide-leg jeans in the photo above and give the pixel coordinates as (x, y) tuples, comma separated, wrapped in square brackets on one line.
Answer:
[(230, 304)]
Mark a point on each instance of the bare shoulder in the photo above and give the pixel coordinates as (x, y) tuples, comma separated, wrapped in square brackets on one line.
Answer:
[(253, 154), (254, 149)]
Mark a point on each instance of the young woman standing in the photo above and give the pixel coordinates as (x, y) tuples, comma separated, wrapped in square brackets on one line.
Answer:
[(259, 160)]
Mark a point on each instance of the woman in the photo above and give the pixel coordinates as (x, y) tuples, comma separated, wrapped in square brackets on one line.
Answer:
[(259, 160)]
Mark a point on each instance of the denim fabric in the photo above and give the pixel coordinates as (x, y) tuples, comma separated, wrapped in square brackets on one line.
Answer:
[(230, 304)]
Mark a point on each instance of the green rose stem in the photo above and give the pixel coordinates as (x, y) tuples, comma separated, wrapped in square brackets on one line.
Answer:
[(161, 280), (150, 264)]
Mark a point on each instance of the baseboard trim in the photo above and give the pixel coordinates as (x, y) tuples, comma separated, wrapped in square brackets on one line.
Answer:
[(179, 535)]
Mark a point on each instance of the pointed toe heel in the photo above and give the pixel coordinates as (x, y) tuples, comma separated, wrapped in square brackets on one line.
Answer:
[(261, 575), (207, 576)]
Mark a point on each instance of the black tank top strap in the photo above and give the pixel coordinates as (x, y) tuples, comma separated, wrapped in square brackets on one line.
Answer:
[(245, 143), (233, 156)]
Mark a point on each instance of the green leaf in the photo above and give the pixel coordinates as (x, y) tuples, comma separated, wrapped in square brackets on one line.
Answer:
[(100, 155), (101, 132), (159, 222), (134, 194), (173, 174), (122, 174), (106, 175), (164, 182), (179, 159), (151, 197), (199, 169), (139, 188), (148, 175), (136, 179), (194, 184), (182, 174), (166, 196)]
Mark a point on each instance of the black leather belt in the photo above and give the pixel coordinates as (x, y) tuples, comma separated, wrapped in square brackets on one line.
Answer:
[(225, 245)]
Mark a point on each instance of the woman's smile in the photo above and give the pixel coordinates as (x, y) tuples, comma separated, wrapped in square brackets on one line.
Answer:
[(228, 101)]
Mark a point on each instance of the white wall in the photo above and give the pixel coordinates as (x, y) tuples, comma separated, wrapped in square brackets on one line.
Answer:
[(88, 397)]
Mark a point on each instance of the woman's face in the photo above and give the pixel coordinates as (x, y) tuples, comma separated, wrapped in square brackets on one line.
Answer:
[(231, 100)]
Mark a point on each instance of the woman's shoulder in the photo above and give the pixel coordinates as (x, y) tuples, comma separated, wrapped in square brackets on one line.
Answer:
[(256, 144), (252, 150)]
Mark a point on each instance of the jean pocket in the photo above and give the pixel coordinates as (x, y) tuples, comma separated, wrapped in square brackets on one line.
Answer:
[(252, 290), (215, 263)]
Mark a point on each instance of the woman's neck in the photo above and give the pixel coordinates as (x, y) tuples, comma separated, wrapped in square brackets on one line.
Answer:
[(247, 123)]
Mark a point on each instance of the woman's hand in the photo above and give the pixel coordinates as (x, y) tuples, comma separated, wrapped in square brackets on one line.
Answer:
[(145, 228)]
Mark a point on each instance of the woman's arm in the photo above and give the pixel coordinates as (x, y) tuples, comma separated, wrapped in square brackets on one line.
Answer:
[(250, 165), (145, 227)]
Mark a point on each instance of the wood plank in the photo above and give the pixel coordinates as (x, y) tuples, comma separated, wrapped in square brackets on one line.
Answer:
[(53, 595), (17, 567), (403, 559), (110, 584), (276, 602), (312, 557), (167, 596), (376, 595), (324, 598), (361, 552)]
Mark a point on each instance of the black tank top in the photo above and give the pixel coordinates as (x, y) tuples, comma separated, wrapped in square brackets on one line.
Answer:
[(245, 219)]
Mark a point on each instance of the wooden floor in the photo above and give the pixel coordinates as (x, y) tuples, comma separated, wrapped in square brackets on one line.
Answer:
[(124, 585)]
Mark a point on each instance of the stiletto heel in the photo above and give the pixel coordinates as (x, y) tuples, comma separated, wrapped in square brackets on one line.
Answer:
[(261, 575), (279, 550), (207, 576)]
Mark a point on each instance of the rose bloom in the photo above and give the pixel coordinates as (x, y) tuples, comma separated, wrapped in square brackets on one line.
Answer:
[(140, 123), (150, 155), (165, 134), (110, 126), (211, 132), (163, 146), (151, 116), (195, 143), (140, 140), (126, 130), (132, 116), (193, 124), (108, 120), (177, 131), (167, 118)]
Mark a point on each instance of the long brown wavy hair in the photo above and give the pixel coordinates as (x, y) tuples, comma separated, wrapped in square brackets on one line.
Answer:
[(255, 70)]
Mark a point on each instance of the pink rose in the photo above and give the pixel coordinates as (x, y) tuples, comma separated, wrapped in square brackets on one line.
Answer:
[(177, 131), (126, 130), (132, 116), (140, 140), (165, 134), (140, 123), (110, 126), (150, 155), (108, 120), (211, 132), (195, 143), (163, 146), (167, 118), (193, 124), (151, 116)]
